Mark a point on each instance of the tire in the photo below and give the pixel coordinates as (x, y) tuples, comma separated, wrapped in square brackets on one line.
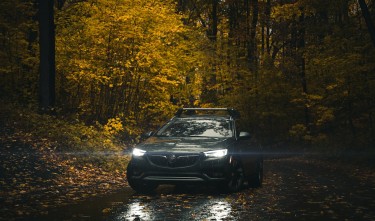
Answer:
[(236, 177), (256, 180), (137, 185)]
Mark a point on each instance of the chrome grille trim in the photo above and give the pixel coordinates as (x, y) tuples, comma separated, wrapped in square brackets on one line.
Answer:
[(173, 160)]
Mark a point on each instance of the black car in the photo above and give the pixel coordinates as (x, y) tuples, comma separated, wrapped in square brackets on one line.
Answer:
[(197, 145)]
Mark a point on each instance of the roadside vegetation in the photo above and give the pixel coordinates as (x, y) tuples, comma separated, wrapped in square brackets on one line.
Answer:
[(300, 72), (48, 161)]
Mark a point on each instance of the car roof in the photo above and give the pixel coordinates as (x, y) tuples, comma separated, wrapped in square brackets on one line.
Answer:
[(203, 116), (228, 113)]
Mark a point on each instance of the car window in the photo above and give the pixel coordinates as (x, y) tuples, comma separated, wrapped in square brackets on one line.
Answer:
[(187, 127)]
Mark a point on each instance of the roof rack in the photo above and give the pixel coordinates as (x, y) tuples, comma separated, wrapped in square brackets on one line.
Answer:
[(231, 111)]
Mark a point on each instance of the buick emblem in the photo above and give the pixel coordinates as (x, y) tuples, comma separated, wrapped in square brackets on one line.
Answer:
[(172, 158)]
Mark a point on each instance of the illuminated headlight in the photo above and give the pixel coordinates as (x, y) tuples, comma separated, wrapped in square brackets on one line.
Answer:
[(138, 152), (216, 153)]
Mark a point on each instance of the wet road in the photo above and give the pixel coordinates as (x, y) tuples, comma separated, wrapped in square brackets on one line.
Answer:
[(293, 189)]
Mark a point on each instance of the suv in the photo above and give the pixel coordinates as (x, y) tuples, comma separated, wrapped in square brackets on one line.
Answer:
[(197, 145)]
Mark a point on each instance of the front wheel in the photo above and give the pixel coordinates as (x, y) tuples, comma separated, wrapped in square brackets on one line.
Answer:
[(256, 180), (138, 185), (236, 177)]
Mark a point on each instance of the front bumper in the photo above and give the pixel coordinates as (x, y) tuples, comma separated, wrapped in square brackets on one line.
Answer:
[(203, 170)]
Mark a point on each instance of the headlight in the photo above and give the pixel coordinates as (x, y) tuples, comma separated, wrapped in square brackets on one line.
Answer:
[(138, 152), (216, 153)]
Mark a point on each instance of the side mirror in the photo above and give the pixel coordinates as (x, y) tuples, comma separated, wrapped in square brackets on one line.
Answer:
[(147, 135), (244, 135)]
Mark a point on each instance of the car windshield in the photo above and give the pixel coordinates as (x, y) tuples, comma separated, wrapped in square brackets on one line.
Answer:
[(196, 127)]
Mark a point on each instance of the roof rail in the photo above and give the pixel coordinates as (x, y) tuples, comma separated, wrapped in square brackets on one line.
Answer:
[(231, 111)]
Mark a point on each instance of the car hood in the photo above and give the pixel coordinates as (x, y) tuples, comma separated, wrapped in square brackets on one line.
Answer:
[(182, 145)]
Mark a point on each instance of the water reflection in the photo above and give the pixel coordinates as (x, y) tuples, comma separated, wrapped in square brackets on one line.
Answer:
[(218, 209), (221, 210), (136, 210), (177, 207)]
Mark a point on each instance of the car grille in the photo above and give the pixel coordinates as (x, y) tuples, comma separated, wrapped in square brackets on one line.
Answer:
[(173, 160)]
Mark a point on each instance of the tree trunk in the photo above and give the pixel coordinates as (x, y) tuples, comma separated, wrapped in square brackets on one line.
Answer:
[(181, 5), (212, 31), (268, 26), (47, 55), (367, 17), (301, 48), (252, 46)]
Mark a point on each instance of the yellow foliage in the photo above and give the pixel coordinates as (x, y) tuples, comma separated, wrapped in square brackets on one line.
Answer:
[(285, 12), (113, 126), (298, 131), (325, 115), (125, 54)]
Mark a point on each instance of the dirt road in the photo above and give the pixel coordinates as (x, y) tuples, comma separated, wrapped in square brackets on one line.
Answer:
[(297, 188)]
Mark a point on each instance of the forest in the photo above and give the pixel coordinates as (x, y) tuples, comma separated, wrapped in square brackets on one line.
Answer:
[(301, 72)]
